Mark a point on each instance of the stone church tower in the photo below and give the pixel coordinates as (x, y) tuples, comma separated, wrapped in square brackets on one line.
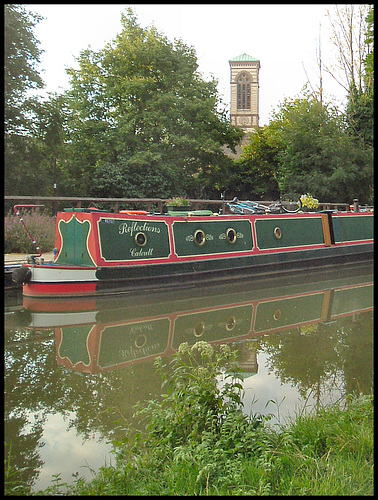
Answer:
[(245, 92)]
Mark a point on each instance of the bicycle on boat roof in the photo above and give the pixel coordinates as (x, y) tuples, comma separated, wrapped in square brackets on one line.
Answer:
[(290, 203)]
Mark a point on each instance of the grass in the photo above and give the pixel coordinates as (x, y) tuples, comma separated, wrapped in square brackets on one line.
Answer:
[(197, 441)]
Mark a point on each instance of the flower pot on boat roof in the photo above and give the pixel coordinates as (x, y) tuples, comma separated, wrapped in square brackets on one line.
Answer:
[(178, 204)]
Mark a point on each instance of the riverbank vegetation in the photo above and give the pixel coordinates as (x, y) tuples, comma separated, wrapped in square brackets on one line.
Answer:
[(139, 120), (41, 227), (198, 441)]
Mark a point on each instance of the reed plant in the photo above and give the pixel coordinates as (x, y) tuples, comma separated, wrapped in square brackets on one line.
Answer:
[(13, 483), (198, 441), (40, 225)]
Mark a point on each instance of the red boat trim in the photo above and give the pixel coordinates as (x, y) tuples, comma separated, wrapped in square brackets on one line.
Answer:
[(62, 289)]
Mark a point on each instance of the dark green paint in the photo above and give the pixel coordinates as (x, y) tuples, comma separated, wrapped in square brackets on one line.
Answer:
[(294, 232), (117, 239), (353, 228), (74, 243), (355, 299), (251, 265), (215, 325), (288, 312), (123, 343), (215, 237), (74, 344)]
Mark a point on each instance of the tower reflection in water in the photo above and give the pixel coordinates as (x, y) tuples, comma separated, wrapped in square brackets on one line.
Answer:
[(100, 335), (311, 333)]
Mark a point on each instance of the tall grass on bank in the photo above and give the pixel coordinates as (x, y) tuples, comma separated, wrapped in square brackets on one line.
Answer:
[(197, 441), (40, 225)]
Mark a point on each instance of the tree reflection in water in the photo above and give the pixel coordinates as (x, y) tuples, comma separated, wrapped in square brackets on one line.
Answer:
[(324, 358), (318, 339)]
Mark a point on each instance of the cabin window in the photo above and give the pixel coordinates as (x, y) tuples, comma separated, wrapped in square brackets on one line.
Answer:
[(140, 239), (199, 237)]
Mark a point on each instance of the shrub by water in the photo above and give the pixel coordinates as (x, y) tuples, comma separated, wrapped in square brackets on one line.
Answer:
[(40, 225)]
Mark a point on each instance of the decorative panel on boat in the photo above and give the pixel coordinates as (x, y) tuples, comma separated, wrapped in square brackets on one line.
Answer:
[(353, 228), (74, 235), (215, 325), (289, 232), (130, 342), (130, 240), (199, 237)]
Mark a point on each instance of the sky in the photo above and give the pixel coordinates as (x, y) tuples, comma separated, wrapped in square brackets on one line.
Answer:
[(284, 37)]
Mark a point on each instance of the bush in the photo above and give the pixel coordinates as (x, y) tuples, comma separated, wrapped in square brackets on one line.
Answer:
[(195, 437), (40, 225), (197, 441)]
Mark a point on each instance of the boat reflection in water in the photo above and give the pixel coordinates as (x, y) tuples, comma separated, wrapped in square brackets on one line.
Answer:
[(306, 338), (99, 335)]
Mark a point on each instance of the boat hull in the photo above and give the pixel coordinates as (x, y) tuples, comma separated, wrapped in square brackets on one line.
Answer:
[(100, 254)]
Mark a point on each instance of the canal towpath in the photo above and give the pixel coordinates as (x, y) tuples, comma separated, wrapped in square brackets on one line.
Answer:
[(15, 258)]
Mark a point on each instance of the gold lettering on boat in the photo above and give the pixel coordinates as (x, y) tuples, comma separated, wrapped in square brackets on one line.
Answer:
[(139, 252), (133, 352), (131, 227)]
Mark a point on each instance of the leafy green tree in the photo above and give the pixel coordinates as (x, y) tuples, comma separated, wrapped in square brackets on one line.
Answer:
[(21, 57), (254, 173), (311, 151), (141, 110), (369, 59), (49, 137), (37, 160), (360, 109)]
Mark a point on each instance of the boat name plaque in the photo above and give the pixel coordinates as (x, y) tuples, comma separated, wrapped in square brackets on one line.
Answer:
[(133, 240), (130, 228)]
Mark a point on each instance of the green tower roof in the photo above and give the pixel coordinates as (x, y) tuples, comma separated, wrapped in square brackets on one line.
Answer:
[(243, 58)]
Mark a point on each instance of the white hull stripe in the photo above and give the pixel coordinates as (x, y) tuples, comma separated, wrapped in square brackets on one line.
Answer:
[(57, 275), (53, 320)]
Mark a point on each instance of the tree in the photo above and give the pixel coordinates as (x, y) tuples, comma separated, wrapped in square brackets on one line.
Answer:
[(141, 110), (369, 59), (349, 28), (49, 136), (308, 148), (36, 161), (319, 155), (253, 175), (21, 57), (360, 109)]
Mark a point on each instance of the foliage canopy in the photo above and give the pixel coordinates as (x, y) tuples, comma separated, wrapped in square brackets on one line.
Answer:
[(21, 58), (144, 122), (307, 148), (140, 121)]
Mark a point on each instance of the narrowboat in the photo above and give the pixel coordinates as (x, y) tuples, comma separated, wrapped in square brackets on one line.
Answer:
[(101, 253)]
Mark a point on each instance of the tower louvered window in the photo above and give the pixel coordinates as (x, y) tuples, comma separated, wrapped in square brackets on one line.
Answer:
[(244, 92)]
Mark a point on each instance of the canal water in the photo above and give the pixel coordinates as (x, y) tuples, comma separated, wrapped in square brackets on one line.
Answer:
[(74, 369)]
